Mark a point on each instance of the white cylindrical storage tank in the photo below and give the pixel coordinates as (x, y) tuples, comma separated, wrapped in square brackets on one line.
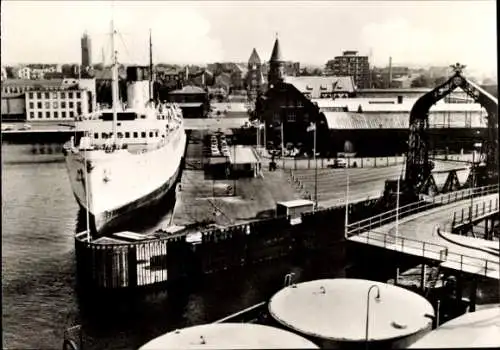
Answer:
[(229, 336), (333, 313), (480, 329)]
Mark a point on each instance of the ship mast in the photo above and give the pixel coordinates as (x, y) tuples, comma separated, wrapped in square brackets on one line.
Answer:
[(114, 83), (151, 89)]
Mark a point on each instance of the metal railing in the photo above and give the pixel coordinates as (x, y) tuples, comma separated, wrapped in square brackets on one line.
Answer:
[(416, 207), (466, 216), (437, 252), (407, 245), (462, 262)]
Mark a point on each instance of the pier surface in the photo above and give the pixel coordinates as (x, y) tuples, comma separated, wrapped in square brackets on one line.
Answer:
[(417, 234)]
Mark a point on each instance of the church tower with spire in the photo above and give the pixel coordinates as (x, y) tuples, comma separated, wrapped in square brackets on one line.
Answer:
[(254, 77), (276, 66)]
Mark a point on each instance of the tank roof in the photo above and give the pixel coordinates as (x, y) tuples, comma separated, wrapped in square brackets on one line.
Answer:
[(335, 309), (229, 336), (480, 329)]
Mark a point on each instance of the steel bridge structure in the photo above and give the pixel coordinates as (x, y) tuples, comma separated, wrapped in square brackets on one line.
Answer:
[(418, 173)]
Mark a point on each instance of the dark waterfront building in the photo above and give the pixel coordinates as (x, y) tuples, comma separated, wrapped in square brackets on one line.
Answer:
[(192, 100), (287, 112)]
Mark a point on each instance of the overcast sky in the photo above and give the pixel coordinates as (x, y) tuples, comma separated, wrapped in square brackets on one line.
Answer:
[(418, 33)]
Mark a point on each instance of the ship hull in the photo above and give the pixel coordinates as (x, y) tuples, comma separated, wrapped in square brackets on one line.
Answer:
[(110, 187), (107, 221)]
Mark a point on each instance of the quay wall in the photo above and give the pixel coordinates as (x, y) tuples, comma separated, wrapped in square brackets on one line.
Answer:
[(163, 260)]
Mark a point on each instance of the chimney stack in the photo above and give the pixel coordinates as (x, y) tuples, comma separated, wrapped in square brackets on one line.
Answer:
[(390, 72)]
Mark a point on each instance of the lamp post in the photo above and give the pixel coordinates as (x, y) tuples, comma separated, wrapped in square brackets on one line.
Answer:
[(312, 127), (265, 143), (346, 205), (398, 193), (397, 208), (473, 180), (257, 131), (377, 299), (283, 143)]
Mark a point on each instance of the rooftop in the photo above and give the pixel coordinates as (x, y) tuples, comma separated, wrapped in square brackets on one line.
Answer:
[(189, 89), (377, 104), (254, 58), (397, 90), (243, 155), (30, 82), (229, 336), (317, 85), (229, 106), (335, 309), (190, 104), (296, 203), (382, 120)]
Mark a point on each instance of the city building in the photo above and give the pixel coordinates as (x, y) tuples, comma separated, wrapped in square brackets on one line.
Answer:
[(323, 87), (395, 74), (13, 102), (351, 64), (202, 78), (403, 82), (86, 46), (238, 76), (42, 100), (223, 81), (68, 99), (255, 79), (192, 100), (171, 77), (24, 73), (292, 69)]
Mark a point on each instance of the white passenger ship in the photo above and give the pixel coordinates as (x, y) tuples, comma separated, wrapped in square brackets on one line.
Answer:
[(129, 156)]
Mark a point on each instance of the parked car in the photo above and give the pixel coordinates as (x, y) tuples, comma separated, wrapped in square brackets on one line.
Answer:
[(339, 163), (6, 127), (25, 127), (215, 152)]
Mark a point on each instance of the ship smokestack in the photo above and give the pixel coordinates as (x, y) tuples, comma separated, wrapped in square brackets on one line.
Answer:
[(390, 72), (137, 87)]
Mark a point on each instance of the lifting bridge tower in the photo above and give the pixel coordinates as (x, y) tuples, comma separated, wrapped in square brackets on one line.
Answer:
[(418, 172)]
